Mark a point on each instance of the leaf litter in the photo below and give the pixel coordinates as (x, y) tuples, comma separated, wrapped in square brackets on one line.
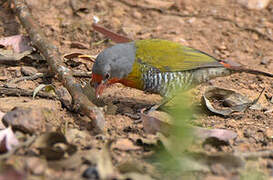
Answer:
[(228, 101)]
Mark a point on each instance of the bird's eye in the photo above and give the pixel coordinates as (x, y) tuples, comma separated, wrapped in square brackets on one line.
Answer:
[(107, 76)]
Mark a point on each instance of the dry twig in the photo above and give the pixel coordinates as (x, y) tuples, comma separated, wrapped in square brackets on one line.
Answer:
[(24, 78), (54, 60), (82, 74), (10, 91), (41, 75)]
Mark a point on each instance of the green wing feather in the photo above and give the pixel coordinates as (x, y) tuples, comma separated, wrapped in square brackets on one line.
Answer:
[(170, 56)]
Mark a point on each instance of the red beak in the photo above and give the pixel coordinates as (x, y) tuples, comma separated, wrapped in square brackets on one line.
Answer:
[(100, 88), (100, 84)]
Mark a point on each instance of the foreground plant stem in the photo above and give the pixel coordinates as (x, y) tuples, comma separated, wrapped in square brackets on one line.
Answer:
[(54, 60)]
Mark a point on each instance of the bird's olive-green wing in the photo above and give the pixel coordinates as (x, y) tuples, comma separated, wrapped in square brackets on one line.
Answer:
[(170, 56)]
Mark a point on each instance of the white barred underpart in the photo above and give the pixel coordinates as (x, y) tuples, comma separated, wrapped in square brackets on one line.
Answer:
[(167, 83)]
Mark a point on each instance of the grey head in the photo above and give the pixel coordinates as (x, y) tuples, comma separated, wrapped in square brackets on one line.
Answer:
[(116, 61)]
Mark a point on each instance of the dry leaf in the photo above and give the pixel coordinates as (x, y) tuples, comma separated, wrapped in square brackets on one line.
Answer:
[(47, 87), (19, 43), (11, 57), (221, 134), (78, 45), (72, 55), (7, 140), (227, 101), (110, 34), (153, 125)]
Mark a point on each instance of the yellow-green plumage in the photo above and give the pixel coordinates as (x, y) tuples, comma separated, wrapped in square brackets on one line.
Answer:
[(163, 67), (170, 56)]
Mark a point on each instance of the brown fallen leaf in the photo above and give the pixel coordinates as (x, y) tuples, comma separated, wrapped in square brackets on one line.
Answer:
[(7, 140), (153, 125), (110, 34), (11, 57), (226, 101), (72, 55), (64, 96), (19, 43), (221, 134), (78, 45)]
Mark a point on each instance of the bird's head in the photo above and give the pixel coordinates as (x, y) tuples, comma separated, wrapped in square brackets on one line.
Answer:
[(112, 65)]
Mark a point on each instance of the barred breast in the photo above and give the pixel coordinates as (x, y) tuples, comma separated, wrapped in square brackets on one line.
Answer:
[(168, 83)]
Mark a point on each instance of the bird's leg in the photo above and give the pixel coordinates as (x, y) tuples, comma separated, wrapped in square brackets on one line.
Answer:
[(160, 105)]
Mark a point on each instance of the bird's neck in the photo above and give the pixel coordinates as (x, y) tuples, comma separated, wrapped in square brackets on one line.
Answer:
[(134, 78)]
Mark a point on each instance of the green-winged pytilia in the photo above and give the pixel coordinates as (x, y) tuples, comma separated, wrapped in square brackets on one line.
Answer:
[(158, 66)]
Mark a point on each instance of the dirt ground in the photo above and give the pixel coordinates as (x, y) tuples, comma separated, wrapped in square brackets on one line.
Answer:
[(222, 28)]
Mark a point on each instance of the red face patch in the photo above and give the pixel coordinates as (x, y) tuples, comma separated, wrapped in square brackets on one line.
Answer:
[(101, 85), (96, 78)]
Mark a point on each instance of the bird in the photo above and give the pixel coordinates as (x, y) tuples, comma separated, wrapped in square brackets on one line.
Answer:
[(159, 66)]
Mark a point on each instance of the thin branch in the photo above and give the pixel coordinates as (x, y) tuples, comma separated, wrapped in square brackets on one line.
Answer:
[(54, 60), (41, 75), (10, 91), (24, 78), (9, 60), (82, 74)]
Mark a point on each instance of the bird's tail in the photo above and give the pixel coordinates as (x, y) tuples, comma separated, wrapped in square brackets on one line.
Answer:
[(234, 66)]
